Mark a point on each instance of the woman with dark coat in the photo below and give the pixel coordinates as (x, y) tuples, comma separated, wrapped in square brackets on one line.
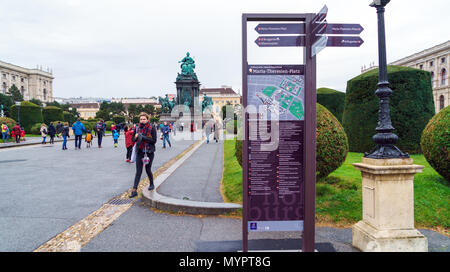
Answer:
[(144, 136), (51, 132)]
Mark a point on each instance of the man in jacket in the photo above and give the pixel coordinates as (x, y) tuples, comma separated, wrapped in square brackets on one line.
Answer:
[(165, 130), (78, 129), (59, 129), (100, 128)]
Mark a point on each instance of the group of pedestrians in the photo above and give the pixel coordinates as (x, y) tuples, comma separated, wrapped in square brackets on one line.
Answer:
[(17, 133)]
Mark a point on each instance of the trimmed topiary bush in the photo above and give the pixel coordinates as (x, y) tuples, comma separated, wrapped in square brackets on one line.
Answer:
[(411, 105), (36, 129), (51, 114), (331, 143), (108, 125), (8, 121), (435, 142), (30, 114), (333, 100)]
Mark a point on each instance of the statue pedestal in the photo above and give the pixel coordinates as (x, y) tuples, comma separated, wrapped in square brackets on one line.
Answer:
[(388, 207)]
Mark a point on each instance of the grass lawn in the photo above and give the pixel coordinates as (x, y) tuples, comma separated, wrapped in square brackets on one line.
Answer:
[(339, 199)]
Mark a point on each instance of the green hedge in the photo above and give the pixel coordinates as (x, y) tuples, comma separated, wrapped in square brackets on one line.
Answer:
[(411, 105), (333, 100), (69, 117), (331, 143), (51, 114), (30, 114), (435, 142)]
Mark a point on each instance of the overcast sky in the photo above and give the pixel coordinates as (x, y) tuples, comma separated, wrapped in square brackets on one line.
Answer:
[(129, 48)]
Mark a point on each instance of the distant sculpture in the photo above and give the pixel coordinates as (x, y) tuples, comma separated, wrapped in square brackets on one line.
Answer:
[(187, 65), (187, 99), (207, 102), (172, 104), (165, 104)]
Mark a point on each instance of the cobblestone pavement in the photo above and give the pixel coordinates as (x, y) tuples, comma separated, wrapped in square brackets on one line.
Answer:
[(45, 190)]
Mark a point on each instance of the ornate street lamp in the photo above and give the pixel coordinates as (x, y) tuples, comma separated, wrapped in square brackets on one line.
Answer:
[(384, 138), (18, 111)]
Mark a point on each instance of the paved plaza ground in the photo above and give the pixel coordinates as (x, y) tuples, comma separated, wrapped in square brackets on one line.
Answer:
[(46, 190)]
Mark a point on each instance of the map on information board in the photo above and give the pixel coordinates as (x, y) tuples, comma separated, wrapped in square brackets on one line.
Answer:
[(279, 89)]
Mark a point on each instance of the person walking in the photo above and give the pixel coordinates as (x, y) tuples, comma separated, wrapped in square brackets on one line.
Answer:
[(216, 131), (88, 138), (116, 137), (17, 133), (145, 138), (44, 132), (22, 134), (51, 132), (208, 130), (5, 133), (78, 129), (59, 128), (129, 142), (113, 127), (100, 128), (65, 135), (165, 130)]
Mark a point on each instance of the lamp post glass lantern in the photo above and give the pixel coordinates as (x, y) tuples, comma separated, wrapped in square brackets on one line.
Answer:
[(384, 138)]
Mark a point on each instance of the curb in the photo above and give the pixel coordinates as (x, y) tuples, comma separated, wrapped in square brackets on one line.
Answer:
[(165, 203)]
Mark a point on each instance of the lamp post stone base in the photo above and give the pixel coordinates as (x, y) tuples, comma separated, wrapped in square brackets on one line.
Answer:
[(388, 207), (369, 239)]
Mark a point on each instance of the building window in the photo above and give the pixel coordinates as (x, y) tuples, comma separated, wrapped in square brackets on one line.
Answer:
[(4, 76), (442, 60), (441, 102), (431, 63), (432, 79), (443, 77), (45, 94), (4, 87), (14, 78), (21, 79), (421, 67), (22, 90)]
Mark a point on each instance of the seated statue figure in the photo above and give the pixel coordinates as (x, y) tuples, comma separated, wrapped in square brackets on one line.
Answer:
[(187, 65)]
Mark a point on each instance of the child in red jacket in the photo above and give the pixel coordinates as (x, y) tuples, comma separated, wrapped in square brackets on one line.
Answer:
[(129, 142), (22, 134)]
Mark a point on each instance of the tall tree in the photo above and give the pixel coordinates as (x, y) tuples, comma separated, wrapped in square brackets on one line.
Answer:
[(15, 93), (7, 102)]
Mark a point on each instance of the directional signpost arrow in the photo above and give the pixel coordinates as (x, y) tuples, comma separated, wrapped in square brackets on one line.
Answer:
[(345, 41), (280, 29), (280, 41), (347, 29)]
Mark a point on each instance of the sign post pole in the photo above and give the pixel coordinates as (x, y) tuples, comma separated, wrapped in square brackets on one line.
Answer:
[(310, 147)]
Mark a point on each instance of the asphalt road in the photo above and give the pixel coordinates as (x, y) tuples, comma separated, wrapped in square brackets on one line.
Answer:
[(44, 190)]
